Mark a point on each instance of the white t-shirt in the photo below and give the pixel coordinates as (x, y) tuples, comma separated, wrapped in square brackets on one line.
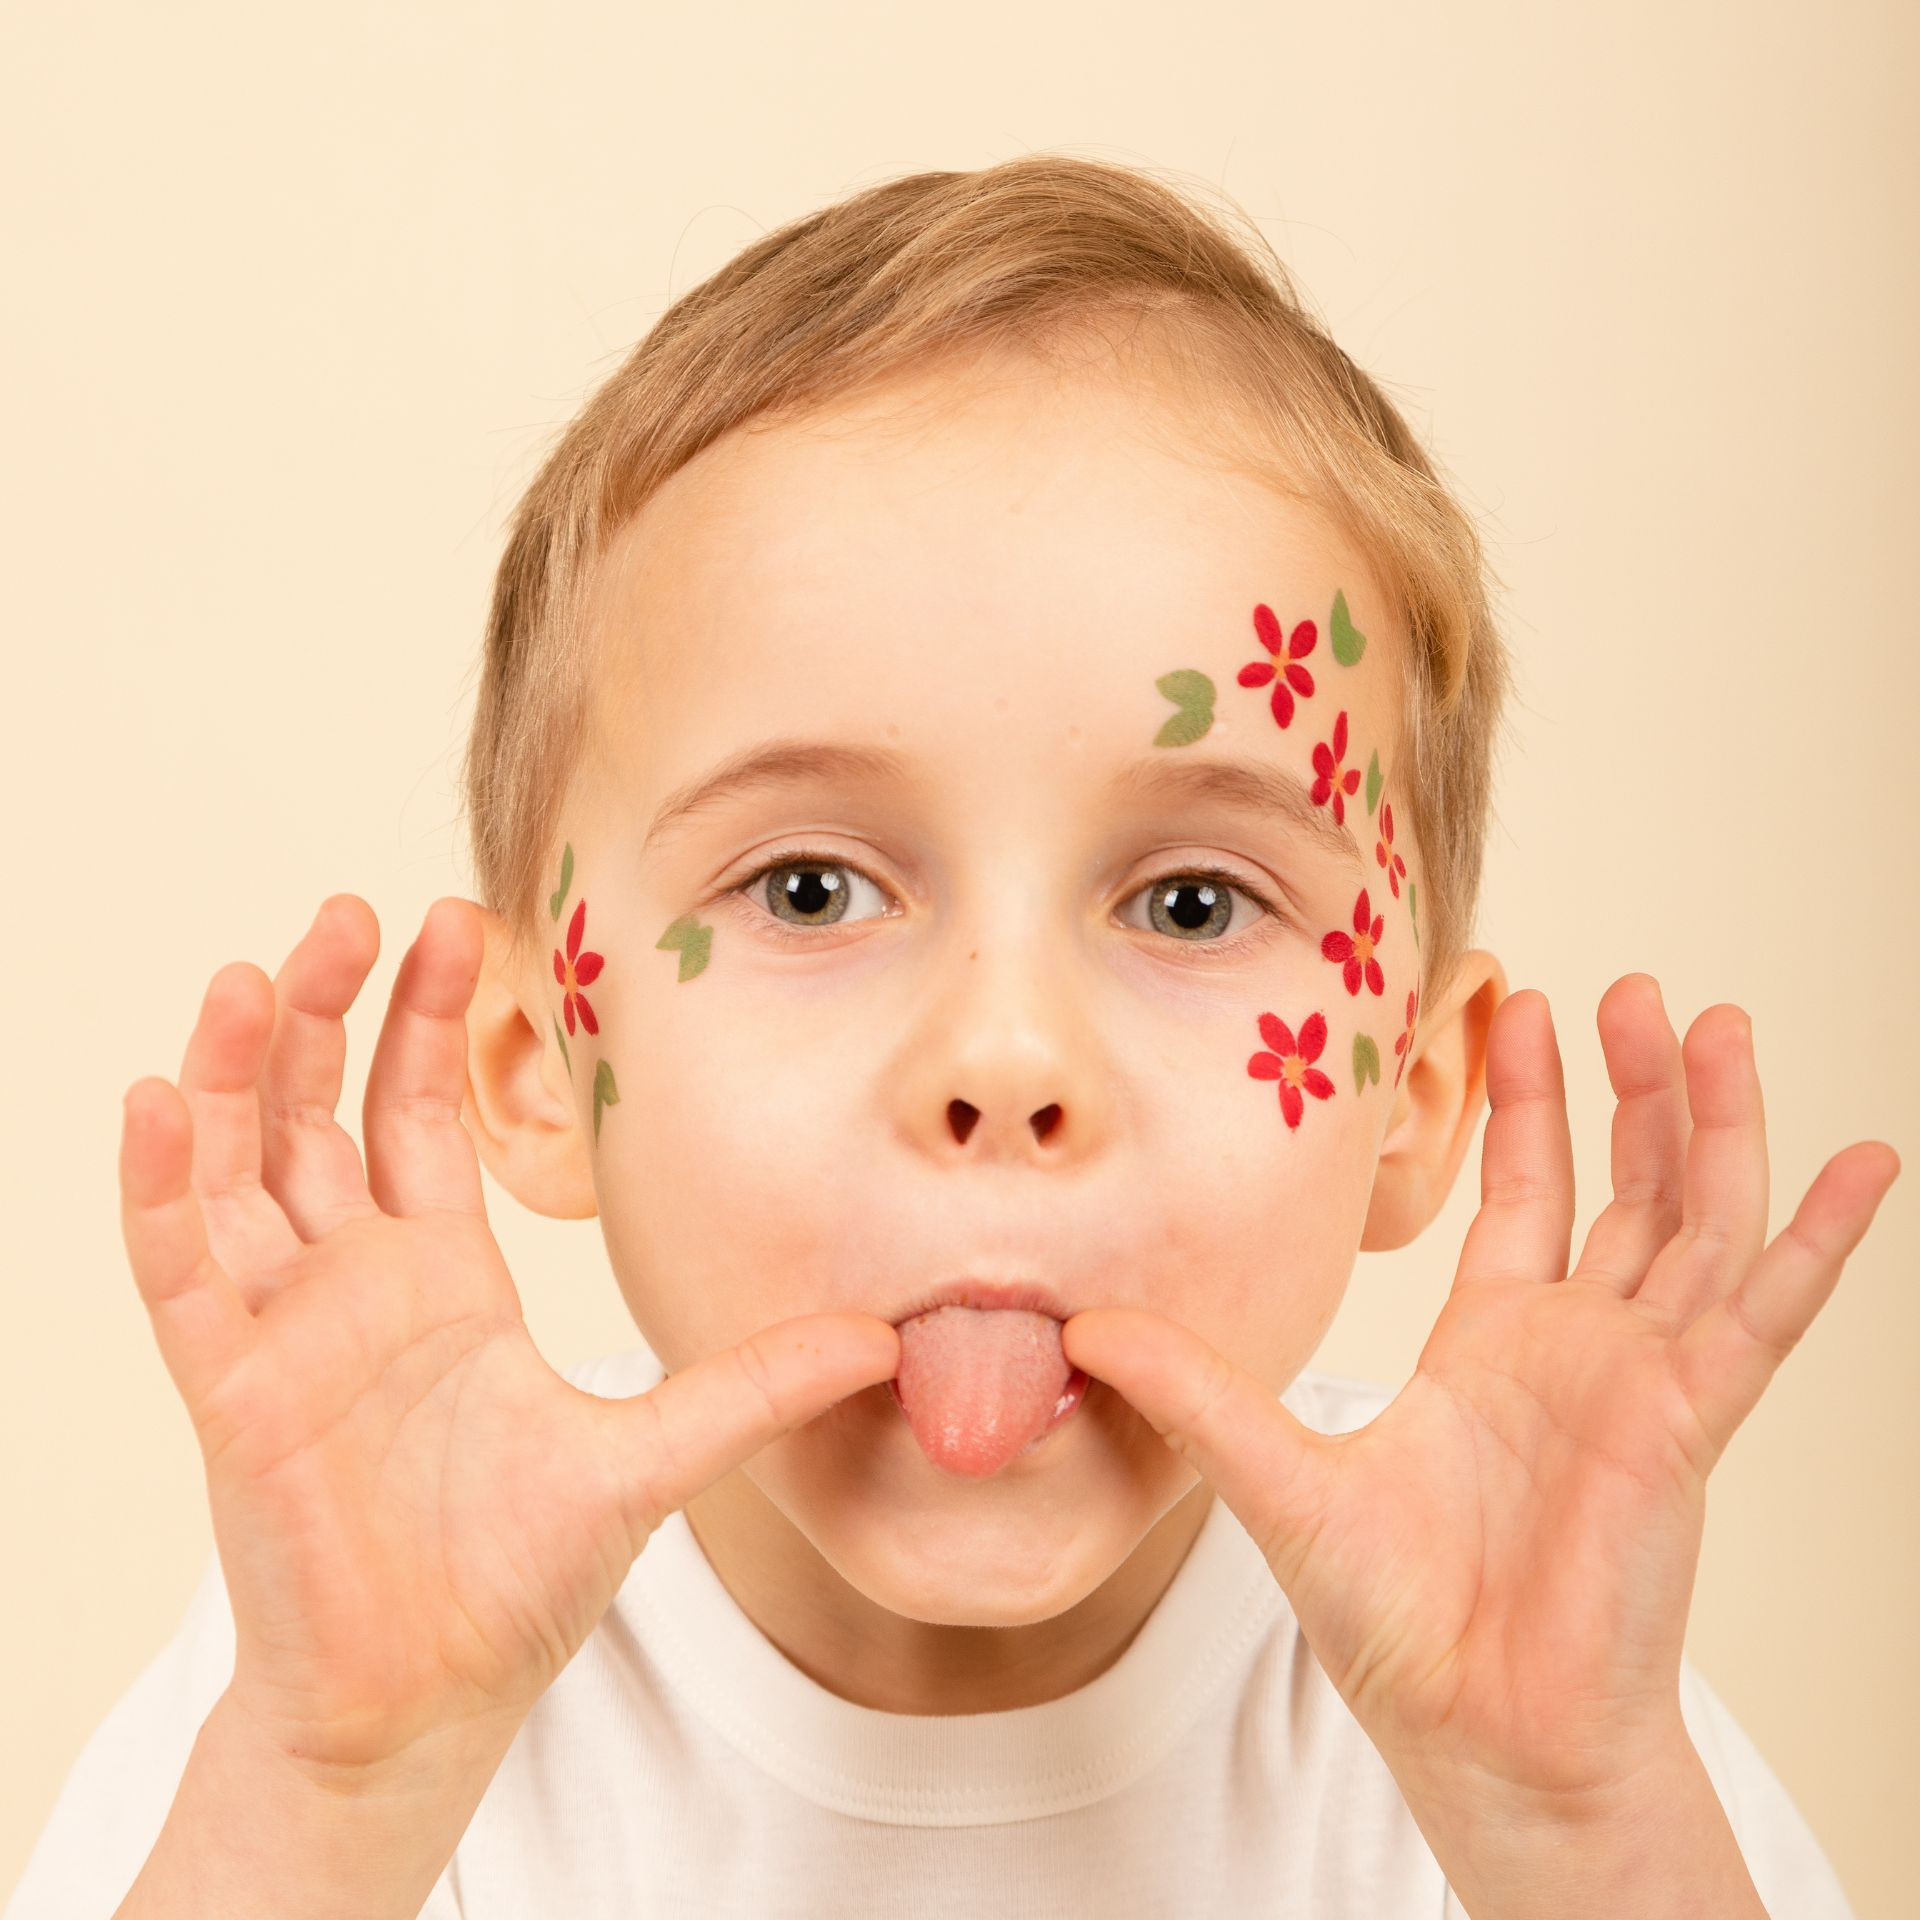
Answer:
[(681, 1765)]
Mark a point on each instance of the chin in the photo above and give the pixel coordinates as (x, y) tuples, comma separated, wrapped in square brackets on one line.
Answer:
[(1009, 1549)]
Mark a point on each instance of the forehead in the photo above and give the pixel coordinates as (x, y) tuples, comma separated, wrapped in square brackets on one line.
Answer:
[(989, 561)]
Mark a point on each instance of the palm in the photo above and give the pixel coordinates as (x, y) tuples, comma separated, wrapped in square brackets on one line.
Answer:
[(1507, 1558), (422, 1515), (1495, 1571)]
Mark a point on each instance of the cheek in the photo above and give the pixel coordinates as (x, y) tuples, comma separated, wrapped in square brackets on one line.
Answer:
[(1250, 1206), (731, 1113)]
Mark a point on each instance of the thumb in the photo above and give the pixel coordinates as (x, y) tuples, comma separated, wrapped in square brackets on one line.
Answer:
[(1274, 1472), (699, 1424)]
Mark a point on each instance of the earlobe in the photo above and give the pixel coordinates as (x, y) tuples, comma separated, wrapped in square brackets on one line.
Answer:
[(519, 1106), (1439, 1104)]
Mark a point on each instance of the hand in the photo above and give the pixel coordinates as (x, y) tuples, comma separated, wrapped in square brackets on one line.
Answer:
[(1495, 1571), (418, 1519)]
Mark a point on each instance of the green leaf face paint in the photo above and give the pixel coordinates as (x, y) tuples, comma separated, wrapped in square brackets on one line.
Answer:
[(1349, 643), (555, 901), (605, 1094), (1375, 780), (1192, 692), (1366, 1061), (694, 942)]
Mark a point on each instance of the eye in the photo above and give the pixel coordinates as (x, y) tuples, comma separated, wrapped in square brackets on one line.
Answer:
[(807, 890), (1195, 906), (801, 890)]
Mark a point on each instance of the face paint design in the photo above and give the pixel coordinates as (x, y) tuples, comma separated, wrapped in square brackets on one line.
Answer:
[(1192, 692), (1291, 1062), (1334, 781), (694, 942), (1366, 1061), (605, 1094), (578, 970), (1356, 951), (1383, 852), (575, 970), (1404, 1045), (1284, 670), (1348, 642)]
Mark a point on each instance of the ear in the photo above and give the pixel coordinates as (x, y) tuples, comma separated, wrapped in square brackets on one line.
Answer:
[(519, 1106), (1440, 1100)]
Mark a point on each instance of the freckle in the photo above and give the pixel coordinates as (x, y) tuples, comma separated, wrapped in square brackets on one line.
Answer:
[(1073, 733), (893, 729), (975, 954), (1000, 705)]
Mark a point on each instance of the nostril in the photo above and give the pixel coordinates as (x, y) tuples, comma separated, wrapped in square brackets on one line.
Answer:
[(1047, 1119), (961, 1116)]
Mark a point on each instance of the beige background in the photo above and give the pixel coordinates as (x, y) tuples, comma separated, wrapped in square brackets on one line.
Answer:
[(299, 296)]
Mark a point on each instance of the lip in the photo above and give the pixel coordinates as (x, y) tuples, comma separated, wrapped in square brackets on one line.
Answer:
[(1019, 1296)]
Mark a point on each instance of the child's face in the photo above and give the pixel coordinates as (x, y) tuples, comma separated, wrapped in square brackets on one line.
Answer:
[(998, 1059)]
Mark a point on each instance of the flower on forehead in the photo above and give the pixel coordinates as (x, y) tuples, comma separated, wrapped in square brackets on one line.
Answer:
[(1403, 1046), (1332, 780), (1357, 948), (1290, 1062), (1284, 670), (578, 970), (1383, 851)]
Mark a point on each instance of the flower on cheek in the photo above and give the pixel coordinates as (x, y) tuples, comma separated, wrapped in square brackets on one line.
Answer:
[(1332, 780), (1290, 1062), (1357, 949), (1383, 852), (1403, 1046), (578, 970), (1284, 670)]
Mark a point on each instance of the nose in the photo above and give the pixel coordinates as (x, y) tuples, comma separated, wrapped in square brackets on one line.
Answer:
[(963, 1116)]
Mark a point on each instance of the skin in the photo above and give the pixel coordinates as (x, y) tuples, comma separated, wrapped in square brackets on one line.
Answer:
[(987, 570)]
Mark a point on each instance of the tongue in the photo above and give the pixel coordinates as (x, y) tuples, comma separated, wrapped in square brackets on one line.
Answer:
[(978, 1384)]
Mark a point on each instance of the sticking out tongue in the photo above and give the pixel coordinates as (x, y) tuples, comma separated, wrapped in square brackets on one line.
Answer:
[(978, 1384)]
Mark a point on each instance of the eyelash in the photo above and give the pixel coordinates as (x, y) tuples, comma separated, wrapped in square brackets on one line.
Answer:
[(811, 856)]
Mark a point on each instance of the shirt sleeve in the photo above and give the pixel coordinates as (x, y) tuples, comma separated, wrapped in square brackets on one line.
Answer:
[(1793, 1877), (118, 1791)]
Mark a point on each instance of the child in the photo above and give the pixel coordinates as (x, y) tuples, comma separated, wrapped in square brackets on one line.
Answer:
[(979, 789)]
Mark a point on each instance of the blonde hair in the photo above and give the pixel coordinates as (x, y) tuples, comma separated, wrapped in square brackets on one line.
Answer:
[(1016, 256)]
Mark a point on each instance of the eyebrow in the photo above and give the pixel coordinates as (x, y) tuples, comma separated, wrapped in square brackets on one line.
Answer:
[(1247, 786)]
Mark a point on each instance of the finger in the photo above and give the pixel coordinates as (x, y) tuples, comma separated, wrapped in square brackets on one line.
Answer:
[(1650, 1128), (1525, 1222), (309, 1162), (199, 1318), (1723, 1200), (420, 1158), (219, 1081), (1274, 1472), (1727, 1356), (701, 1423)]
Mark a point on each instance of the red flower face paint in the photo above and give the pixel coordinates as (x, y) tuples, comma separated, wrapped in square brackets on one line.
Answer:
[(578, 970), (1404, 1045), (1284, 670), (1357, 949), (1383, 852), (574, 971), (1334, 781), (1290, 1062)]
